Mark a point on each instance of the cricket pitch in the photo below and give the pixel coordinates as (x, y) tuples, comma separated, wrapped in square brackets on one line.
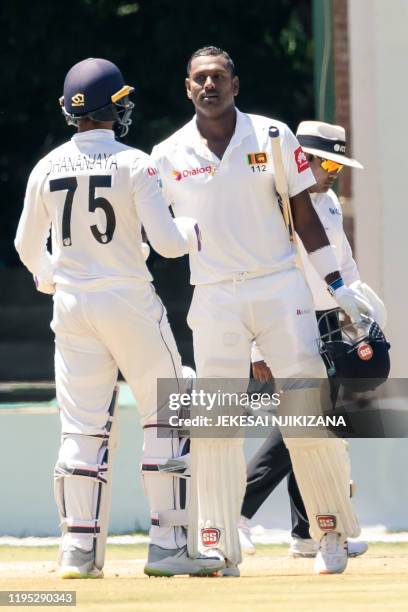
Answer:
[(270, 580)]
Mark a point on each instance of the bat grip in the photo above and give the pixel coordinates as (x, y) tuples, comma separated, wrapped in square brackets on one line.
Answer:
[(273, 132)]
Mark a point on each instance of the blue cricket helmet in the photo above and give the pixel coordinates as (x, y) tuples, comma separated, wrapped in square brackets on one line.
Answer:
[(357, 355), (95, 88)]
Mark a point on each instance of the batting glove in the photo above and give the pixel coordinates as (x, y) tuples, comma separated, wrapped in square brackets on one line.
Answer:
[(190, 230), (377, 305), (352, 302), (44, 286)]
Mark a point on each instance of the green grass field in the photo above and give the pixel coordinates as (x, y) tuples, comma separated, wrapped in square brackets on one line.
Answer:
[(270, 581)]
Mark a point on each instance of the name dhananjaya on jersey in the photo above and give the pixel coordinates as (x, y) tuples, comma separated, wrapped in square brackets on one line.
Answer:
[(101, 161)]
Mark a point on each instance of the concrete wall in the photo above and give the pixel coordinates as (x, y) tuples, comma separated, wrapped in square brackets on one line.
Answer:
[(379, 93), (28, 449)]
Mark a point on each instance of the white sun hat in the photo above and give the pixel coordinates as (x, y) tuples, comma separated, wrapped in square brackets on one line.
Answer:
[(325, 140)]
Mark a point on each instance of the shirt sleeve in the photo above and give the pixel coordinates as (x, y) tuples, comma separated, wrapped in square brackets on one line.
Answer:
[(348, 267), (34, 228), (151, 208), (167, 195), (298, 173)]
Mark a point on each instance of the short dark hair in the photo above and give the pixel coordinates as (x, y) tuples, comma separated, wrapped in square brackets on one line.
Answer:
[(210, 50)]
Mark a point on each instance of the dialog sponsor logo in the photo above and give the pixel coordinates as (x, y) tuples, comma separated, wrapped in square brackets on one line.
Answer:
[(179, 175)]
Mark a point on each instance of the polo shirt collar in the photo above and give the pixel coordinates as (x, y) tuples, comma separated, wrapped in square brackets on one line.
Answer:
[(194, 140), (94, 135)]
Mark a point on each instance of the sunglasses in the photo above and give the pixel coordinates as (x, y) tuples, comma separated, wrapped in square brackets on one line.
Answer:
[(330, 166)]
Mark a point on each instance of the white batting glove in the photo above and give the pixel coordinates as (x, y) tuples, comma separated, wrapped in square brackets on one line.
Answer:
[(353, 304), (377, 305), (145, 251), (190, 230), (44, 286)]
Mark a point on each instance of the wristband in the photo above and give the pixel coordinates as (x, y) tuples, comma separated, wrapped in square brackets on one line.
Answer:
[(332, 287)]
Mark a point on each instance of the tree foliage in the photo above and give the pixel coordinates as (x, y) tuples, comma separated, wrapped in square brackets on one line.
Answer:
[(150, 40)]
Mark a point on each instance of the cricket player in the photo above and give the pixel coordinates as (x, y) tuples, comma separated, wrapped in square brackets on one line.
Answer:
[(218, 168), (326, 151), (95, 192)]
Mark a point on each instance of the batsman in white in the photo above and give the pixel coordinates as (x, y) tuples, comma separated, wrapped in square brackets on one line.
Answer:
[(326, 150), (219, 169), (95, 192)]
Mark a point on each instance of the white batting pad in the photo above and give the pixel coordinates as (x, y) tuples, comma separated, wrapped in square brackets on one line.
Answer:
[(218, 480), (83, 485), (322, 470), (166, 476)]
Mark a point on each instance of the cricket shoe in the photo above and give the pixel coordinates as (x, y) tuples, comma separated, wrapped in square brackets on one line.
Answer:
[(356, 548), (303, 547), (176, 562), (231, 570), (308, 548), (332, 554), (78, 563), (244, 532)]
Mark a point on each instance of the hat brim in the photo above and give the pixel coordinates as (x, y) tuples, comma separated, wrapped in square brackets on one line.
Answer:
[(340, 159)]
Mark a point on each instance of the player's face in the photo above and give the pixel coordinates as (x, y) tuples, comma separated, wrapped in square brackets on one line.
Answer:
[(211, 86), (324, 179)]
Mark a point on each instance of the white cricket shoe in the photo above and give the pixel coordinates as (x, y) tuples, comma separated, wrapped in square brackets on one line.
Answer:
[(244, 532), (332, 555), (308, 548), (355, 548), (176, 562), (302, 547), (78, 563)]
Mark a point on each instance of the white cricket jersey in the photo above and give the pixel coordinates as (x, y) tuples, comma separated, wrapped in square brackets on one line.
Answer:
[(330, 214), (233, 199), (95, 192)]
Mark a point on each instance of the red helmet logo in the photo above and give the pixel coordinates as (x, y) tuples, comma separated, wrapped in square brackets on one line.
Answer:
[(365, 352)]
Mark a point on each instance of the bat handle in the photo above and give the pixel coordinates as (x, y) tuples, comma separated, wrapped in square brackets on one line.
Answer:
[(273, 132)]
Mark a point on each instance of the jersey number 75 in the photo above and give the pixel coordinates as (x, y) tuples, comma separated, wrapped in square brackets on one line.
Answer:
[(70, 185)]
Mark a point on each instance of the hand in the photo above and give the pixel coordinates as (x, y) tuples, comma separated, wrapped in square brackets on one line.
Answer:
[(377, 305), (353, 304), (261, 371), (145, 251), (44, 286), (190, 230)]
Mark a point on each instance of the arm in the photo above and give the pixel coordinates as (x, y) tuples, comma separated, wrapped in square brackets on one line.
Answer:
[(169, 237), (260, 370), (307, 223), (311, 231), (33, 230), (293, 178), (322, 256)]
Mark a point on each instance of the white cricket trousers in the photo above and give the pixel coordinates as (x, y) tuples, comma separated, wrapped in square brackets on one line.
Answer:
[(97, 332), (277, 311)]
